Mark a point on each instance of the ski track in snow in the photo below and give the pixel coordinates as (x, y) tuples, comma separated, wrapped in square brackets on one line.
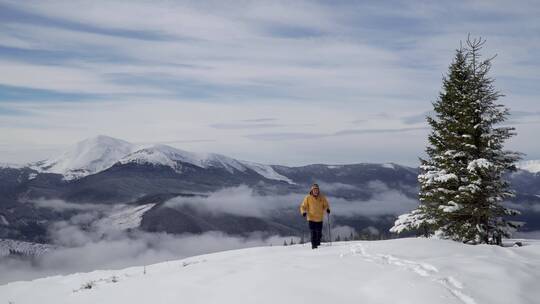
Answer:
[(422, 269)]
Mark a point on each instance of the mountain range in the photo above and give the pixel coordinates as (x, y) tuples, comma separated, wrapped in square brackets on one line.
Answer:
[(142, 180)]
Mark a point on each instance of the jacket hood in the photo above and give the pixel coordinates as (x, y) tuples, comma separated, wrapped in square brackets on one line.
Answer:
[(314, 186)]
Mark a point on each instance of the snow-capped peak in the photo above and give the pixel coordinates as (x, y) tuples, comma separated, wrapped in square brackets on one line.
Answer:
[(267, 171), (388, 166), (532, 166), (169, 156), (86, 157), (98, 153)]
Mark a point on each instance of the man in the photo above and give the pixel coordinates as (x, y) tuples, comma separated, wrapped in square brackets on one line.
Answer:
[(313, 206)]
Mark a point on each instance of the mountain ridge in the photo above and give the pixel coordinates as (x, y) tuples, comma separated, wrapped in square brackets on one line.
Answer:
[(153, 174), (96, 154)]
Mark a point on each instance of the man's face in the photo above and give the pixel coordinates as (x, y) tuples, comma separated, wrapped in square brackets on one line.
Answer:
[(315, 191)]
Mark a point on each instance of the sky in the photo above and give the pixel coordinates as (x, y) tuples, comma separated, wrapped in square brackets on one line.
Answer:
[(276, 82)]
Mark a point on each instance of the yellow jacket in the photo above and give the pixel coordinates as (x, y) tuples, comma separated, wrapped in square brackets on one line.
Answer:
[(314, 207)]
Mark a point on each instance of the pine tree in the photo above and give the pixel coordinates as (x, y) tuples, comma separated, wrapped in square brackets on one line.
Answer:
[(461, 181)]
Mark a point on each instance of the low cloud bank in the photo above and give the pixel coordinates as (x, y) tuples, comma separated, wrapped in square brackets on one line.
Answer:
[(61, 205), (86, 242), (244, 201), (527, 235), (97, 247)]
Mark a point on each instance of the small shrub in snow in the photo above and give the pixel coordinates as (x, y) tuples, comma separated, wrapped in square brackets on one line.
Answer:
[(88, 285)]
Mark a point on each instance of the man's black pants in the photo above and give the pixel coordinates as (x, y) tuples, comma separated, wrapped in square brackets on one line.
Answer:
[(316, 233)]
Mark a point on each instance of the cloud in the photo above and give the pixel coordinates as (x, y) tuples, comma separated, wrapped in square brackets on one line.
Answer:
[(244, 201), (387, 203), (359, 121), (120, 251), (316, 67), (528, 235), (284, 136), (8, 111), (510, 123), (372, 230), (522, 114), (258, 123), (376, 131), (516, 117), (12, 13), (244, 125), (342, 232), (61, 205), (181, 141), (417, 118), (260, 120), (93, 248), (296, 136), (333, 187)]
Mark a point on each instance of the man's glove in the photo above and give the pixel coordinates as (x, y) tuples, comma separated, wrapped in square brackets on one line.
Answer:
[(328, 210), (304, 214)]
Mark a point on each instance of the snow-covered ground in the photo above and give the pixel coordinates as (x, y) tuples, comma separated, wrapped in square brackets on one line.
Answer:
[(395, 271)]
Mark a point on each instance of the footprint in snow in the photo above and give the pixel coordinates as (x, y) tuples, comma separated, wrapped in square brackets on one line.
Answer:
[(423, 269)]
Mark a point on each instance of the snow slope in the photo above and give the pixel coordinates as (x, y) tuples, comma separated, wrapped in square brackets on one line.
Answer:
[(124, 217), (395, 271), (86, 157), (267, 171)]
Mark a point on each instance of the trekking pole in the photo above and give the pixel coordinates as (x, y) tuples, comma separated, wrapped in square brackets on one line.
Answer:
[(329, 230)]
